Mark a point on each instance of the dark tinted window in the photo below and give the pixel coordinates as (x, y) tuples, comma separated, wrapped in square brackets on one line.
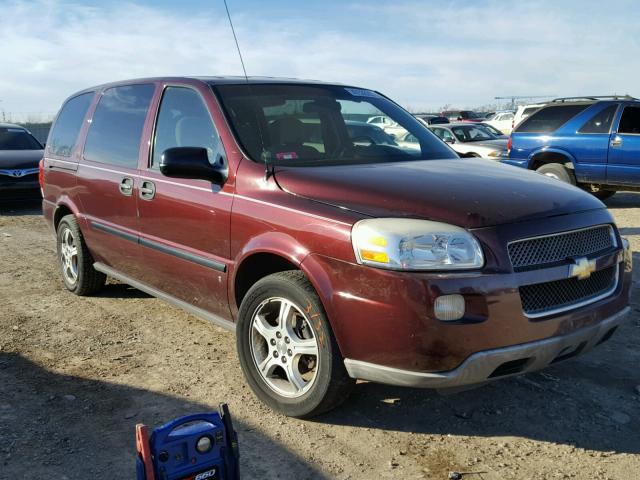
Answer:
[(306, 125), (68, 124), (184, 121), (601, 121), (630, 120), (14, 138), (116, 127), (549, 119)]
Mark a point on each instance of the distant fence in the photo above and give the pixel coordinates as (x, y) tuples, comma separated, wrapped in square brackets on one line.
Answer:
[(39, 130)]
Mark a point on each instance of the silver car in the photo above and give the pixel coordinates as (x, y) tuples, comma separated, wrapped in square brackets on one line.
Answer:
[(471, 140)]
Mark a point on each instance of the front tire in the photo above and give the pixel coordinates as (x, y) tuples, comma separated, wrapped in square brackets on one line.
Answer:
[(76, 262), (287, 350), (557, 171)]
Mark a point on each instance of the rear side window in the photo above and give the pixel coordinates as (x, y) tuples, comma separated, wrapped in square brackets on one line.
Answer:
[(67, 127), (116, 127), (184, 121), (601, 121), (630, 121), (549, 119)]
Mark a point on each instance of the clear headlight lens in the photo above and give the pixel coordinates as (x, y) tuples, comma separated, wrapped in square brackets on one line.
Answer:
[(408, 244)]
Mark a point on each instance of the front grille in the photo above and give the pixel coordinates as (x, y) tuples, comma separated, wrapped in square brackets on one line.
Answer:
[(545, 298), (539, 252)]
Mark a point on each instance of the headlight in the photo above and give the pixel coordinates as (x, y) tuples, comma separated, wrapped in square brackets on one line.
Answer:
[(408, 244)]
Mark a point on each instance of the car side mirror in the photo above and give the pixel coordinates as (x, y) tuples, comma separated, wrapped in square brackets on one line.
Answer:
[(191, 162), (450, 140)]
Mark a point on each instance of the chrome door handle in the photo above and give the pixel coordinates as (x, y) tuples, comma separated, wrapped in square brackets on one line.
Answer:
[(616, 142), (147, 190), (126, 186)]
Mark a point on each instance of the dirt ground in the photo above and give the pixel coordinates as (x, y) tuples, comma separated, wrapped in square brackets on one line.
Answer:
[(76, 375)]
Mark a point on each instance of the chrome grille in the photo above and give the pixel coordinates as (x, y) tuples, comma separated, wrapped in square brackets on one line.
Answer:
[(546, 298), (539, 252)]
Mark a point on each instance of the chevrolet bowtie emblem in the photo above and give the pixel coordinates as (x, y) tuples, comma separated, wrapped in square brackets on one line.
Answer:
[(582, 268)]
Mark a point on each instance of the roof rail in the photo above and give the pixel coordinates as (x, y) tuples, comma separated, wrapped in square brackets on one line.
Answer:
[(593, 97)]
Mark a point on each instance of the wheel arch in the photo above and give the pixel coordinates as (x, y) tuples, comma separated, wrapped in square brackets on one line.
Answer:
[(63, 208), (263, 255), (550, 155)]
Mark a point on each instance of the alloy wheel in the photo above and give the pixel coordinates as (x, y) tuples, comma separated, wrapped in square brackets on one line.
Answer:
[(283, 347)]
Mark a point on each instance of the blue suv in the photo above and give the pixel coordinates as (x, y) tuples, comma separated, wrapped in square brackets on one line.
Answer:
[(591, 142)]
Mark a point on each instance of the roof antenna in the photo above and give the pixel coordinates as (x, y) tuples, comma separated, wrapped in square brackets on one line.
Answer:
[(268, 168)]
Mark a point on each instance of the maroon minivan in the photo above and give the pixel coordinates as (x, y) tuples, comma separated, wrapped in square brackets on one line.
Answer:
[(333, 256)]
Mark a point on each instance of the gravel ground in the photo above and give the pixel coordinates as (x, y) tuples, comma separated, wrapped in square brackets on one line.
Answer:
[(76, 375)]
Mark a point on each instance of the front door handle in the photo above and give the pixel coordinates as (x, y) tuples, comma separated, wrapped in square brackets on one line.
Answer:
[(126, 186), (147, 190), (616, 141)]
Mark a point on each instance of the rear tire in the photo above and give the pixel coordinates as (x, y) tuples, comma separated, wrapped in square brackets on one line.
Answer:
[(557, 171), (603, 194), (76, 262), (280, 317)]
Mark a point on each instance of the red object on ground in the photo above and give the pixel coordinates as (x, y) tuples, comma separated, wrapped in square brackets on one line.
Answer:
[(144, 450)]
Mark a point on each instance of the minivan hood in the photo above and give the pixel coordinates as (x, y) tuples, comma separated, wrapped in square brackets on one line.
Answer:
[(20, 159), (471, 193)]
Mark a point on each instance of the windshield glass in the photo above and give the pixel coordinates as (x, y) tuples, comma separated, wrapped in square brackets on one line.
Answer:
[(14, 138), (307, 125), (472, 133)]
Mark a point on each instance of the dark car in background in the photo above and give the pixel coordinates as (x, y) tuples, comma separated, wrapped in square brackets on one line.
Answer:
[(591, 142), (20, 154), (462, 116), (429, 119)]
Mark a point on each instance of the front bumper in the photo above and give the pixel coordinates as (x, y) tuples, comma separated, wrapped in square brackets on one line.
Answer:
[(497, 363)]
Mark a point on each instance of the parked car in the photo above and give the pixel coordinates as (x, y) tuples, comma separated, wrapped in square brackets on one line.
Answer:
[(494, 131), (471, 140), (462, 116), (20, 153), (502, 121), (591, 142), (331, 260), (432, 119), (388, 125), (523, 111)]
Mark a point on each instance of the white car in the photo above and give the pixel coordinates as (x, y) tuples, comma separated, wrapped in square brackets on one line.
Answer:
[(503, 121), (524, 111), (470, 140), (389, 126)]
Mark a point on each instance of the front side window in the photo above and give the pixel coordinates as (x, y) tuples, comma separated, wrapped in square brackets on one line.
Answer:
[(549, 119), (184, 121), (601, 121), (16, 138), (306, 125), (630, 121), (444, 134), (117, 124), (64, 133)]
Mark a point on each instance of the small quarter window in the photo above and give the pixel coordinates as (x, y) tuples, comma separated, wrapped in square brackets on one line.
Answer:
[(630, 121), (117, 124), (184, 121), (64, 133), (601, 121)]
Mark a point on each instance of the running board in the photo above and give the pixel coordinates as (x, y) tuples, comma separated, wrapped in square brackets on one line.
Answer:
[(154, 292)]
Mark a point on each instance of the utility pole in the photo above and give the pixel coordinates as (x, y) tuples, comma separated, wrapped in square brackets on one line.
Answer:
[(513, 98)]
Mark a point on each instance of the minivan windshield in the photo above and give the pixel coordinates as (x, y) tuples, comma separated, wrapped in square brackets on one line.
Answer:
[(310, 125), (14, 138)]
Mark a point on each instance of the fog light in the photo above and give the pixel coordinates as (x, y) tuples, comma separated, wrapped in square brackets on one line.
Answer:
[(204, 444), (449, 307)]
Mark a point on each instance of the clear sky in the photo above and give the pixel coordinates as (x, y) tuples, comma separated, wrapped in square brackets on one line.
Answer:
[(423, 53)]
